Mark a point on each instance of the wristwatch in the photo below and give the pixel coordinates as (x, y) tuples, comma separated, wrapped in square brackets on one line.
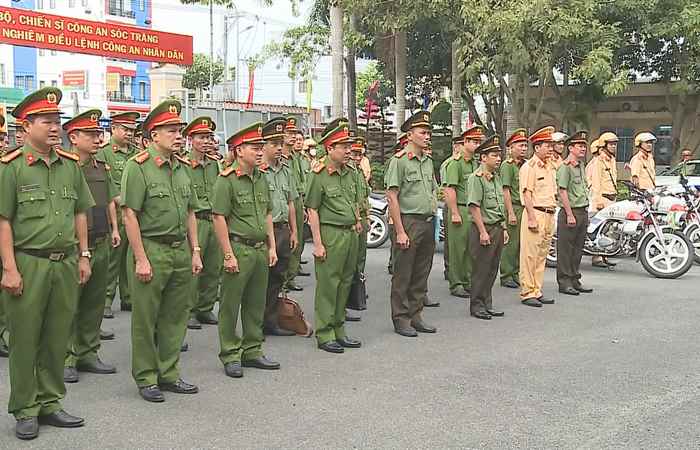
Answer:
[(228, 256), (197, 249), (86, 254)]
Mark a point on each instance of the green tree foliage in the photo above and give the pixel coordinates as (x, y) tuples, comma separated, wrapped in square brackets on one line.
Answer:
[(300, 48), (197, 75)]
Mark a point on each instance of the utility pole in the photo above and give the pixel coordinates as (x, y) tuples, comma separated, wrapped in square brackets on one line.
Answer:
[(211, 49)]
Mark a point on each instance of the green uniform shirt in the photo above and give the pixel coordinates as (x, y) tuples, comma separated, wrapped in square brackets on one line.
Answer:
[(573, 179), (160, 192), (363, 191), (414, 179), (443, 170), (40, 199), (488, 196), (116, 159), (457, 172), (334, 194), (510, 178), (244, 201), (203, 175), (283, 189), (297, 170)]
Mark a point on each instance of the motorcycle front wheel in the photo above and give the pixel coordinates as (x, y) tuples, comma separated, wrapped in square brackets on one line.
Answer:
[(693, 233), (658, 263), (378, 231)]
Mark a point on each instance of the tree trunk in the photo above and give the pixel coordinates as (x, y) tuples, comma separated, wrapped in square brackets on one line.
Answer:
[(336, 14), (400, 58), (456, 91), (352, 79)]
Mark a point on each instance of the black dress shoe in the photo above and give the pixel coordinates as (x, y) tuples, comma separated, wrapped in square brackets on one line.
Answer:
[(532, 302), (233, 369), (292, 286), (495, 313), (423, 327), (27, 428), (261, 362), (546, 301), (331, 347), (97, 367), (125, 306), (406, 332), (106, 335), (460, 292), (207, 318), (430, 304), (349, 318), (568, 290), (4, 351), (391, 271), (583, 289), (277, 331), (61, 419), (301, 273), (70, 375), (152, 394), (184, 347), (304, 261), (483, 315), (193, 324), (349, 342), (108, 313), (510, 284), (179, 387)]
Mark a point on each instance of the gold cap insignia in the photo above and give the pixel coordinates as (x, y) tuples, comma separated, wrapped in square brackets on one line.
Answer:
[(292, 121), (93, 117), (259, 130), (345, 129), (521, 133), (583, 135), (51, 97), (278, 127), (172, 109), (205, 122), (496, 140), (426, 117)]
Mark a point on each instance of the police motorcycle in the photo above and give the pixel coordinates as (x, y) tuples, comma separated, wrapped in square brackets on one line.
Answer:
[(641, 226), (690, 221), (378, 232)]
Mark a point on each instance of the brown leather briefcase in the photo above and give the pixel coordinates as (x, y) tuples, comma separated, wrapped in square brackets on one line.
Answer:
[(291, 317)]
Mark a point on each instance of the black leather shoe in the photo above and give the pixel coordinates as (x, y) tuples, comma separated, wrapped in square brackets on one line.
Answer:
[(108, 313), (495, 313), (152, 394), (61, 419), (546, 301), (510, 284), (304, 261), (106, 335), (430, 304), (184, 347), (4, 351), (233, 369), (568, 291), (70, 375), (207, 318), (301, 273), (391, 271), (261, 362), (532, 302), (277, 331), (483, 315), (331, 347), (460, 292), (600, 264), (193, 324), (97, 367), (423, 327), (583, 289), (27, 428), (349, 342), (179, 387), (292, 286), (125, 306), (407, 331)]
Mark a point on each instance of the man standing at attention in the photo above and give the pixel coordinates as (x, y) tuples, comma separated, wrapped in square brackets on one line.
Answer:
[(642, 164)]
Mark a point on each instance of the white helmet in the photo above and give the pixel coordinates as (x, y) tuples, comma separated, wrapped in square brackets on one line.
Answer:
[(559, 137), (644, 136)]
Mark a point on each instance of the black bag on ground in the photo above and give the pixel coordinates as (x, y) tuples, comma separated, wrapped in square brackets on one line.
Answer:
[(358, 293)]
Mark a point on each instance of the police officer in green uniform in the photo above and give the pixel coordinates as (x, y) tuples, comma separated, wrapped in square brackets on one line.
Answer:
[(457, 143), (204, 170), (84, 134), (45, 257), (510, 179), (412, 196), (243, 225), (283, 192), (116, 153), (488, 231), (158, 205), (332, 200), (304, 169), (293, 157), (458, 224), (572, 223)]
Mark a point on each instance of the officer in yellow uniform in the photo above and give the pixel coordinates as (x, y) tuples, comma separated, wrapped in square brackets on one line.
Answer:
[(559, 145), (595, 146), (642, 165), (604, 182), (538, 192)]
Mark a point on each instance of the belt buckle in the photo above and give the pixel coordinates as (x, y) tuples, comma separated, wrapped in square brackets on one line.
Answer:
[(259, 244), (56, 257), (175, 244)]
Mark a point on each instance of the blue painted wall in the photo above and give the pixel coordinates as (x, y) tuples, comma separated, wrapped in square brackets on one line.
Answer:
[(24, 58)]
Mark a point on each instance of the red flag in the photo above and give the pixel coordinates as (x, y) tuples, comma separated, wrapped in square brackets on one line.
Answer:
[(251, 86)]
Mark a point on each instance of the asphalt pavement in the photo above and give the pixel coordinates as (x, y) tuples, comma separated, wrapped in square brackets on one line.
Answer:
[(618, 368)]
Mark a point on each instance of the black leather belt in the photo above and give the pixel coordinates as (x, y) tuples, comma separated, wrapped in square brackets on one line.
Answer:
[(53, 255), (280, 224), (579, 207), (249, 242), (462, 204), (611, 197), (545, 210), (170, 241), (203, 215)]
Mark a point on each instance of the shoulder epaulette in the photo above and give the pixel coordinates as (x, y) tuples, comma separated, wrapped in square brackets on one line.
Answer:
[(227, 171), (182, 159), (457, 157), (318, 168), (479, 173), (142, 157), (75, 157), (263, 168), (10, 156), (284, 163), (399, 154), (217, 157), (99, 161)]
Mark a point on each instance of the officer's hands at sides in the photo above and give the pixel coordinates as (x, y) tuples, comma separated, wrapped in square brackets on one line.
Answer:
[(358, 227), (571, 221), (512, 219), (231, 265), (116, 239), (599, 206), (196, 263), (320, 252), (272, 257), (402, 240), (144, 272), (532, 224), (456, 218), (293, 241), (84, 270), (484, 238), (506, 237), (12, 282)]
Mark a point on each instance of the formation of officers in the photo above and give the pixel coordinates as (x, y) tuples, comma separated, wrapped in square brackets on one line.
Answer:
[(178, 233)]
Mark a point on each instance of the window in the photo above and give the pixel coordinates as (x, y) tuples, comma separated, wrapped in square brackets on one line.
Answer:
[(53, 52), (84, 3), (25, 82), (142, 5), (121, 8), (71, 3), (625, 145), (41, 52), (142, 91), (302, 86), (54, 83), (2, 74), (42, 84), (52, 4), (39, 4), (30, 82)]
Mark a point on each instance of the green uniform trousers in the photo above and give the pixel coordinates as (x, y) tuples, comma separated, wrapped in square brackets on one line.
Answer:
[(333, 280), (206, 285), (4, 334), (362, 249), (40, 322), (159, 317), (510, 258), (117, 271), (486, 271), (460, 272), (244, 292), (84, 341), (295, 259)]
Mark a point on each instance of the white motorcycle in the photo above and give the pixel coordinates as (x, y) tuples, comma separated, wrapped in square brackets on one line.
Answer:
[(691, 219), (640, 226)]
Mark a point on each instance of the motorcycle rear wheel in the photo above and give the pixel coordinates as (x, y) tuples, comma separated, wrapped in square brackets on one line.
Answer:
[(680, 260)]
